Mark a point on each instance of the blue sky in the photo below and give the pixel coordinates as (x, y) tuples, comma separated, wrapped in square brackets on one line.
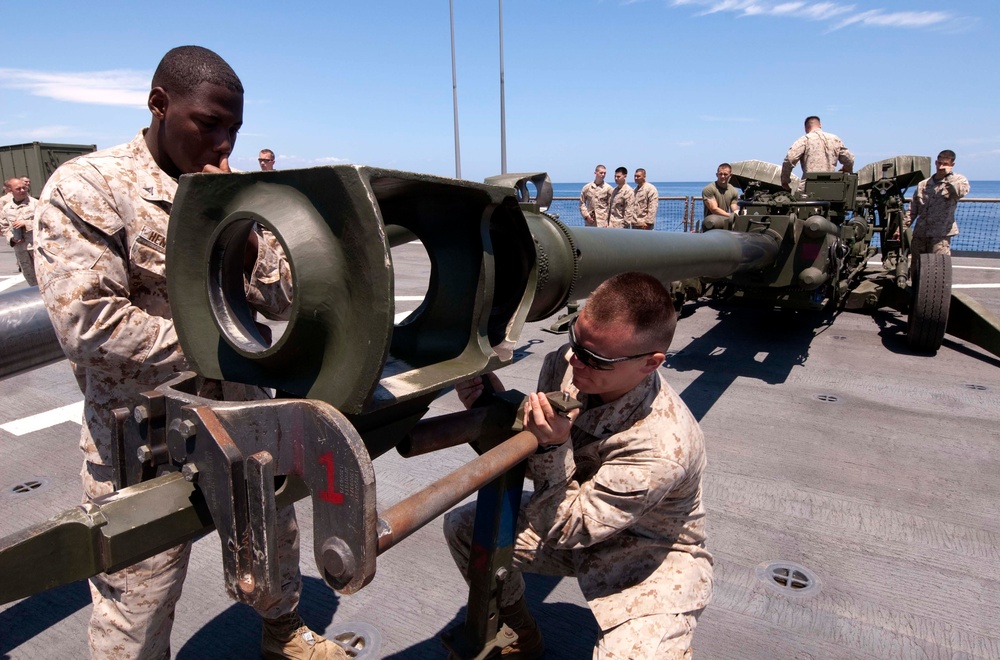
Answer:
[(675, 86)]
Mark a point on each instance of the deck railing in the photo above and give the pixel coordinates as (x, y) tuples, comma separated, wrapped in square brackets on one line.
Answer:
[(978, 219)]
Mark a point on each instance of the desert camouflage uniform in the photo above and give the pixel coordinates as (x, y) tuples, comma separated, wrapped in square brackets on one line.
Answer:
[(621, 213), (10, 213), (594, 199), (647, 199), (723, 198), (618, 506), (101, 240), (934, 205), (819, 152)]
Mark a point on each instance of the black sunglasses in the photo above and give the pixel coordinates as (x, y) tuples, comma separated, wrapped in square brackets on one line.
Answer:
[(593, 360)]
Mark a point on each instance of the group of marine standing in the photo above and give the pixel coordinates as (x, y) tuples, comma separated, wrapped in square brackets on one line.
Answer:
[(933, 203)]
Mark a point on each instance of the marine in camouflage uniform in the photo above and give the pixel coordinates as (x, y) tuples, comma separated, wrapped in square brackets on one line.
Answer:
[(621, 211), (619, 507), (818, 151), (647, 200), (101, 239), (102, 226), (21, 238), (934, 205), (594, 199)]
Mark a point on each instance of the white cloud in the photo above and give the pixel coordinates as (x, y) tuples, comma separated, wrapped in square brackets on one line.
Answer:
[(841, 15), (40, 134), (121, 88), (329, 160), (904, 19)]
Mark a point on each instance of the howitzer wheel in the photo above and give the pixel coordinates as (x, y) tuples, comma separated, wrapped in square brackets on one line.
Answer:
[(931, 302)]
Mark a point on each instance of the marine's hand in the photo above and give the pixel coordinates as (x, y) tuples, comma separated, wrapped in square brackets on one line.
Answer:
[(550, 427), (17, 224), (223, 166), (470, 390)]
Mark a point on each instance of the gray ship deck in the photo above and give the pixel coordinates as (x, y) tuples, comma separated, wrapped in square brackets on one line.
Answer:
[(832, 450)]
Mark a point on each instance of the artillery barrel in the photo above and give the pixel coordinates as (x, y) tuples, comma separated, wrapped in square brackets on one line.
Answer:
[(27, 338), (575, 263)]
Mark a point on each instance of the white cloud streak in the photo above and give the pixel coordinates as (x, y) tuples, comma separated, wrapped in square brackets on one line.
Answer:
[(840, 15), (119, 88), (41, 133)]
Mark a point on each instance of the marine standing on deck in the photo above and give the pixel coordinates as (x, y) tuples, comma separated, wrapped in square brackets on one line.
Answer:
[(594, 199), (621, 207), (101, 241), (934, 205), (266, 160), (818, 151), (17, 224), (719, 197), (617, 499), (647, 200)]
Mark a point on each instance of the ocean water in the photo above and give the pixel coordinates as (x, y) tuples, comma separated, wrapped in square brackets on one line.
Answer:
[(979, 189)]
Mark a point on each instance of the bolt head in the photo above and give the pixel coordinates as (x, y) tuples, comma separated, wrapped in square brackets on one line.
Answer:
[(145, 454), (140, 414), (190, 471)]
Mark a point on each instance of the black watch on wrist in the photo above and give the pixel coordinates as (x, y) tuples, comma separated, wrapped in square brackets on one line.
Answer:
[(545, 449)]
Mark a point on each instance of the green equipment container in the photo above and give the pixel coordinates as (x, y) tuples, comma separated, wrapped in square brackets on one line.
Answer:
[(38, 160)]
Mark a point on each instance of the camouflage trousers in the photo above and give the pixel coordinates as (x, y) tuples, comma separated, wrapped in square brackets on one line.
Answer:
[(134, 607), (926, 245), (26, 263), (654, 636)]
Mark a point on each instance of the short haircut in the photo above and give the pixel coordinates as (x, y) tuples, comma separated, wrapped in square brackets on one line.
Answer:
[(725, 165), (10, 183), (811, 120), (947, 154), (599, 167), (270, 154), (623, 170), (639, 300), (640, 169), (184, 68)]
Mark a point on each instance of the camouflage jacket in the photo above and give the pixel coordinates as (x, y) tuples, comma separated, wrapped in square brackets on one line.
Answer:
[(594, 199), (622, 211), (934, 204), (101, 236), (647, 199), (11, 212), (625, 493), (818, 151)]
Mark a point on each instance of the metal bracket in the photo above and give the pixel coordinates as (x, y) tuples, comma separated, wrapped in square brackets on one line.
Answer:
[(237, 453)]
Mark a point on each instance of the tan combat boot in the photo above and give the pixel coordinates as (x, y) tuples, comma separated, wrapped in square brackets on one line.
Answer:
[(289, 637), (529, 644)]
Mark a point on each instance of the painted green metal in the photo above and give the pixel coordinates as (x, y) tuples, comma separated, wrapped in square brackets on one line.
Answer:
[(969, 320), (37, 160), (495, 264)]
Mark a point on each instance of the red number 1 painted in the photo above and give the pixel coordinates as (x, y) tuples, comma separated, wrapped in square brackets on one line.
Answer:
[(330, 494)]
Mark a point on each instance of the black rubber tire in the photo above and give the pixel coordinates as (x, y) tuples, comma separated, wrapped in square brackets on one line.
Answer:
[(930, 304)]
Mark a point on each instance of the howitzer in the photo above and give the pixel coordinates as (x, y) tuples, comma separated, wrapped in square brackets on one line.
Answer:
[(826, 228), (353, 384)]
